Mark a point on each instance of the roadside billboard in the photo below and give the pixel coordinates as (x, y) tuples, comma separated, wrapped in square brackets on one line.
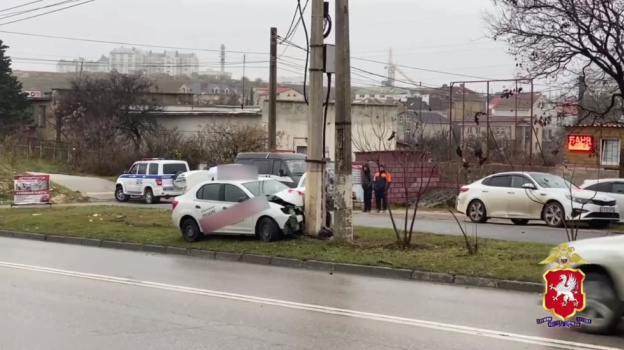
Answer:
[(31, 190)]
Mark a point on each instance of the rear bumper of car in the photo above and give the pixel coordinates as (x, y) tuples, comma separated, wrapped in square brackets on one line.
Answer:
[(167, 192)]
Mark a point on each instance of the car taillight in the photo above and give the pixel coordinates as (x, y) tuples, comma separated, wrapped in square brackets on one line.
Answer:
[(158, 182), (174, 204), (464, 189)]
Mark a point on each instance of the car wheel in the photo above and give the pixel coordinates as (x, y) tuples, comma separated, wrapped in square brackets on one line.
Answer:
[(190, 230), (476, 211), (602, 306), (520, 221), (553, 214), (267, 230), (120, 196), (149, 196), (599, 223)]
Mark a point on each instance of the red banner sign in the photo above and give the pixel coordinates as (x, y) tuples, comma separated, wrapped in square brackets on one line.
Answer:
[(580, 143)]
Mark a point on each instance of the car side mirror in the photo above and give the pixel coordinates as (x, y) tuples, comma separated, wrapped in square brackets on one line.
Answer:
[(529, 186), (282, 172), (242, 199)]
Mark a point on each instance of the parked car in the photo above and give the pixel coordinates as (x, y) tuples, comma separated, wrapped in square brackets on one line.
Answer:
[(209, 197), (604, 282), (610, 187), (524, 196), (287, 168), (150, 179)]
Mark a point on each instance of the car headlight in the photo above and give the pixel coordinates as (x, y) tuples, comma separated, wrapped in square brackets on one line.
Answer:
[(578, 200)]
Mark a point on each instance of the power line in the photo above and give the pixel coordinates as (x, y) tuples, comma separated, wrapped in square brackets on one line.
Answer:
[(45, 13), (135, 44), (18, 13), (18, 6), (422, 69)]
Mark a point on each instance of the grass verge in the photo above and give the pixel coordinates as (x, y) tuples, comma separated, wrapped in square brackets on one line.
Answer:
[(58, 194), (373, 246)]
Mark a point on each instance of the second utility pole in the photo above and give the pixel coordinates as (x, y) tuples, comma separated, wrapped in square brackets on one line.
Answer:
[(314, 182), (343, 226), (273, 92)]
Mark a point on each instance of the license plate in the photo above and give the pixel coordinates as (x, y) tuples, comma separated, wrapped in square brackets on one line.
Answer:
[(168, 188), (607, 209)]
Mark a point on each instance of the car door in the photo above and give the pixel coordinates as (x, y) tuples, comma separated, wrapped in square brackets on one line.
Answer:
[(264, 167), (520, 199), (141, 179), (232, 196), (496, 194), (617, 192), (207, 202), (130, 182)]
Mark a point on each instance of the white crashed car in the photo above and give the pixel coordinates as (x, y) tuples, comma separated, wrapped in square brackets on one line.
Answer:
[(270, 220)]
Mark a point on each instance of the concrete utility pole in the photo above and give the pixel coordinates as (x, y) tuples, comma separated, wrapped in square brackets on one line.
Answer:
[(273, 92), (343, 227), (314, 182)]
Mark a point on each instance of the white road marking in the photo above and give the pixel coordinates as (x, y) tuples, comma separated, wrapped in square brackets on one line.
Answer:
[(553, 343)]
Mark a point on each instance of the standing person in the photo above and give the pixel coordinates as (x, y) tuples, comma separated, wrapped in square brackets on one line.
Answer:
[(367, 186), (382, 181)]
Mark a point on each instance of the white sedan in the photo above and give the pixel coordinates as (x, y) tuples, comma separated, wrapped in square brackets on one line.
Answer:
[(610, 187), (524, 196), (210, 197), (604, 282)]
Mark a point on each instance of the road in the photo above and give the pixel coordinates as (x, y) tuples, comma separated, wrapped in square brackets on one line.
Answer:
[(92, 187), (443, 223), (67, 297)]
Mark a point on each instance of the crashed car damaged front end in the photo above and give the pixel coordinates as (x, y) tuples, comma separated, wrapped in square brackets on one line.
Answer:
[(291, 204)]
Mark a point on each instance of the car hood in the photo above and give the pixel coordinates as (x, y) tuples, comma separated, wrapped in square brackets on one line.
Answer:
[(292, 196), (582, 194)]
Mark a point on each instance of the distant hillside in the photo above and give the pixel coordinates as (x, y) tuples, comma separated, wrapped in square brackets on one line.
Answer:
[(46, 81)]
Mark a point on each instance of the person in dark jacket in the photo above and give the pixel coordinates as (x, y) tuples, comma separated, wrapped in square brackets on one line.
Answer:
[(367, 186), (381, 184)]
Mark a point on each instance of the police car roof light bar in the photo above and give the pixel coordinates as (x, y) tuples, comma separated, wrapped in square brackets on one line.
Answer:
[(153, 159)]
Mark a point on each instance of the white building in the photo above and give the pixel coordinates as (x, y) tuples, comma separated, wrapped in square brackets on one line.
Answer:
[(76, 65), (132, 60)]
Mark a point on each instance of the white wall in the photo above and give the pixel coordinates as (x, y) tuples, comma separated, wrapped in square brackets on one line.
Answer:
[(372, 125)]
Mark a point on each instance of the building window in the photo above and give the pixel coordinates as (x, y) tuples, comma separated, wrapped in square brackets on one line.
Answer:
[(382, 96), (42, 117), (362, 96), (610, 152), (401, 118)]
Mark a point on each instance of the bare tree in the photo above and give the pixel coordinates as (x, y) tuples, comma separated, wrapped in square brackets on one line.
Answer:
[(558, 38), (100, 110)]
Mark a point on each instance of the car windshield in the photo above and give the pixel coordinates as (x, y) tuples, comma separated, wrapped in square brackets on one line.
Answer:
[(266, 187), (296, 167), (174, 168), (552, 181)]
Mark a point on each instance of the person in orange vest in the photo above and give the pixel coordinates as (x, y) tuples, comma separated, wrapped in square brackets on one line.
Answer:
[(381, 184)]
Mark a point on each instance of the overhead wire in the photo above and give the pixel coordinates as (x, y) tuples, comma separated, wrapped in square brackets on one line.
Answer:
[(45, 13), (305, 29), (19, 13), (22, 5)]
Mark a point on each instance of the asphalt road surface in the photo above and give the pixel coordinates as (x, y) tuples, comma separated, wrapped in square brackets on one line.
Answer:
[(67, 297), (92, 187)]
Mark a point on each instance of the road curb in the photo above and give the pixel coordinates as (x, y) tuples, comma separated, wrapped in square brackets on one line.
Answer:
[(375, 271)]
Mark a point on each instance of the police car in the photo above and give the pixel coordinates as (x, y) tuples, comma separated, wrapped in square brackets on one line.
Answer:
[(150, 179)]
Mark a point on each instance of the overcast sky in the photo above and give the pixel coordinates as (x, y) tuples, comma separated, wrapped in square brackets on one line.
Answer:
[(443, 35)]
